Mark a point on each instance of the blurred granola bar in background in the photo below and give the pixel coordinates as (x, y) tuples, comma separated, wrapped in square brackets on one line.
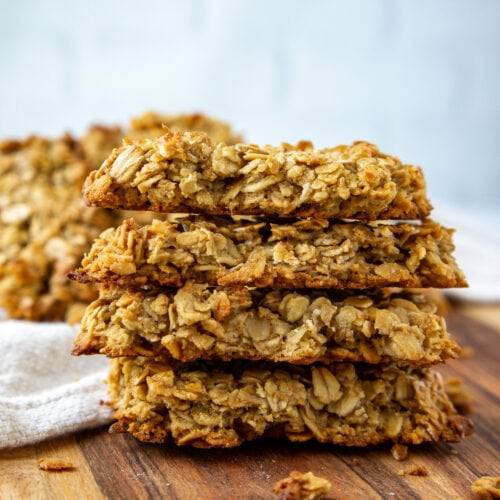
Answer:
[(46, 228)]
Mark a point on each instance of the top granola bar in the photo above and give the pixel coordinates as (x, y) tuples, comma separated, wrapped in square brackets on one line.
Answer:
[(189, 172)]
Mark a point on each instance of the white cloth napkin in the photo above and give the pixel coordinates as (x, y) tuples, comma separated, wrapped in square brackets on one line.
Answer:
[(44, 391), (477, 242)]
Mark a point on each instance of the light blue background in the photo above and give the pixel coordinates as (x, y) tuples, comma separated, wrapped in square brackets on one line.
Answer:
[(419, 78)]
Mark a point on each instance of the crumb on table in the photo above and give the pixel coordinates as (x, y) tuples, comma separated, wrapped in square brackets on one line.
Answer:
[(299, 486), (54, 464), (399, 452), (486, 487), (413, 470)]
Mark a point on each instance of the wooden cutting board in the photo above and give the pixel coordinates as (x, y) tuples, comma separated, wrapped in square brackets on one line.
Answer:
[(118, 466)]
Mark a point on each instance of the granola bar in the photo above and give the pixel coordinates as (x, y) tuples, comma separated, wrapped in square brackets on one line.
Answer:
[(309, 253), (187, 172), (210, 404), (151, 125), (45, 228), (275, 325)]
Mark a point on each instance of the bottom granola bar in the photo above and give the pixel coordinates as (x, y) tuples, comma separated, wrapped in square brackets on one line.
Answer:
[(207, 404)]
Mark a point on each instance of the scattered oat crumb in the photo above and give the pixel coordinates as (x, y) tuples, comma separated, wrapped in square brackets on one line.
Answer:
[(455, 390), (355, 461), (467, 352), (413, 470), (76, 379), (399, 452), (453, 451), (416, 470), (486, 487), (299, 486), (54, 464)]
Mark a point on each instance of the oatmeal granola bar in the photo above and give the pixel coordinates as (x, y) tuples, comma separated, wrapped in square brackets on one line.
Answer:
[(187, 172), (308, 253), (210, 404), (151, 125), (302, 327), (45, 228)]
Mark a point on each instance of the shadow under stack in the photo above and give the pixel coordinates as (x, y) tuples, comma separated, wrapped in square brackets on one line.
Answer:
[(280, 304)]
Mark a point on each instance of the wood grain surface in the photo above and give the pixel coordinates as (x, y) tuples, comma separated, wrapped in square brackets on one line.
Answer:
[(118, 466)]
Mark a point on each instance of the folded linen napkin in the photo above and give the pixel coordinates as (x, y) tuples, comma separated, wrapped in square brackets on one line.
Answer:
[(44, 391), (477, 242)]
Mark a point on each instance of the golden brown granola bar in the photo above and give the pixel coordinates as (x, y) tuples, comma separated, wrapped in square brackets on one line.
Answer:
[(151, 125), (210, 404), (308, 253), (302, 327), (45, 228), (187, 172)]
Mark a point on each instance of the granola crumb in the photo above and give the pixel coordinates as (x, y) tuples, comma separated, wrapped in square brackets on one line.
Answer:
[(413, 470), (416, 470), (453, 451), (54, 464), (486, 487), (399, 452), (299, 486), (355, 461)]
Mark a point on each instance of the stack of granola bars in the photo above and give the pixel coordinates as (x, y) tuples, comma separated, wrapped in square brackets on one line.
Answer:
[(270, 307)]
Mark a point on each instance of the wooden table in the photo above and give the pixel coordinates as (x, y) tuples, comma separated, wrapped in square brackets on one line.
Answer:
[(118, 466)]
